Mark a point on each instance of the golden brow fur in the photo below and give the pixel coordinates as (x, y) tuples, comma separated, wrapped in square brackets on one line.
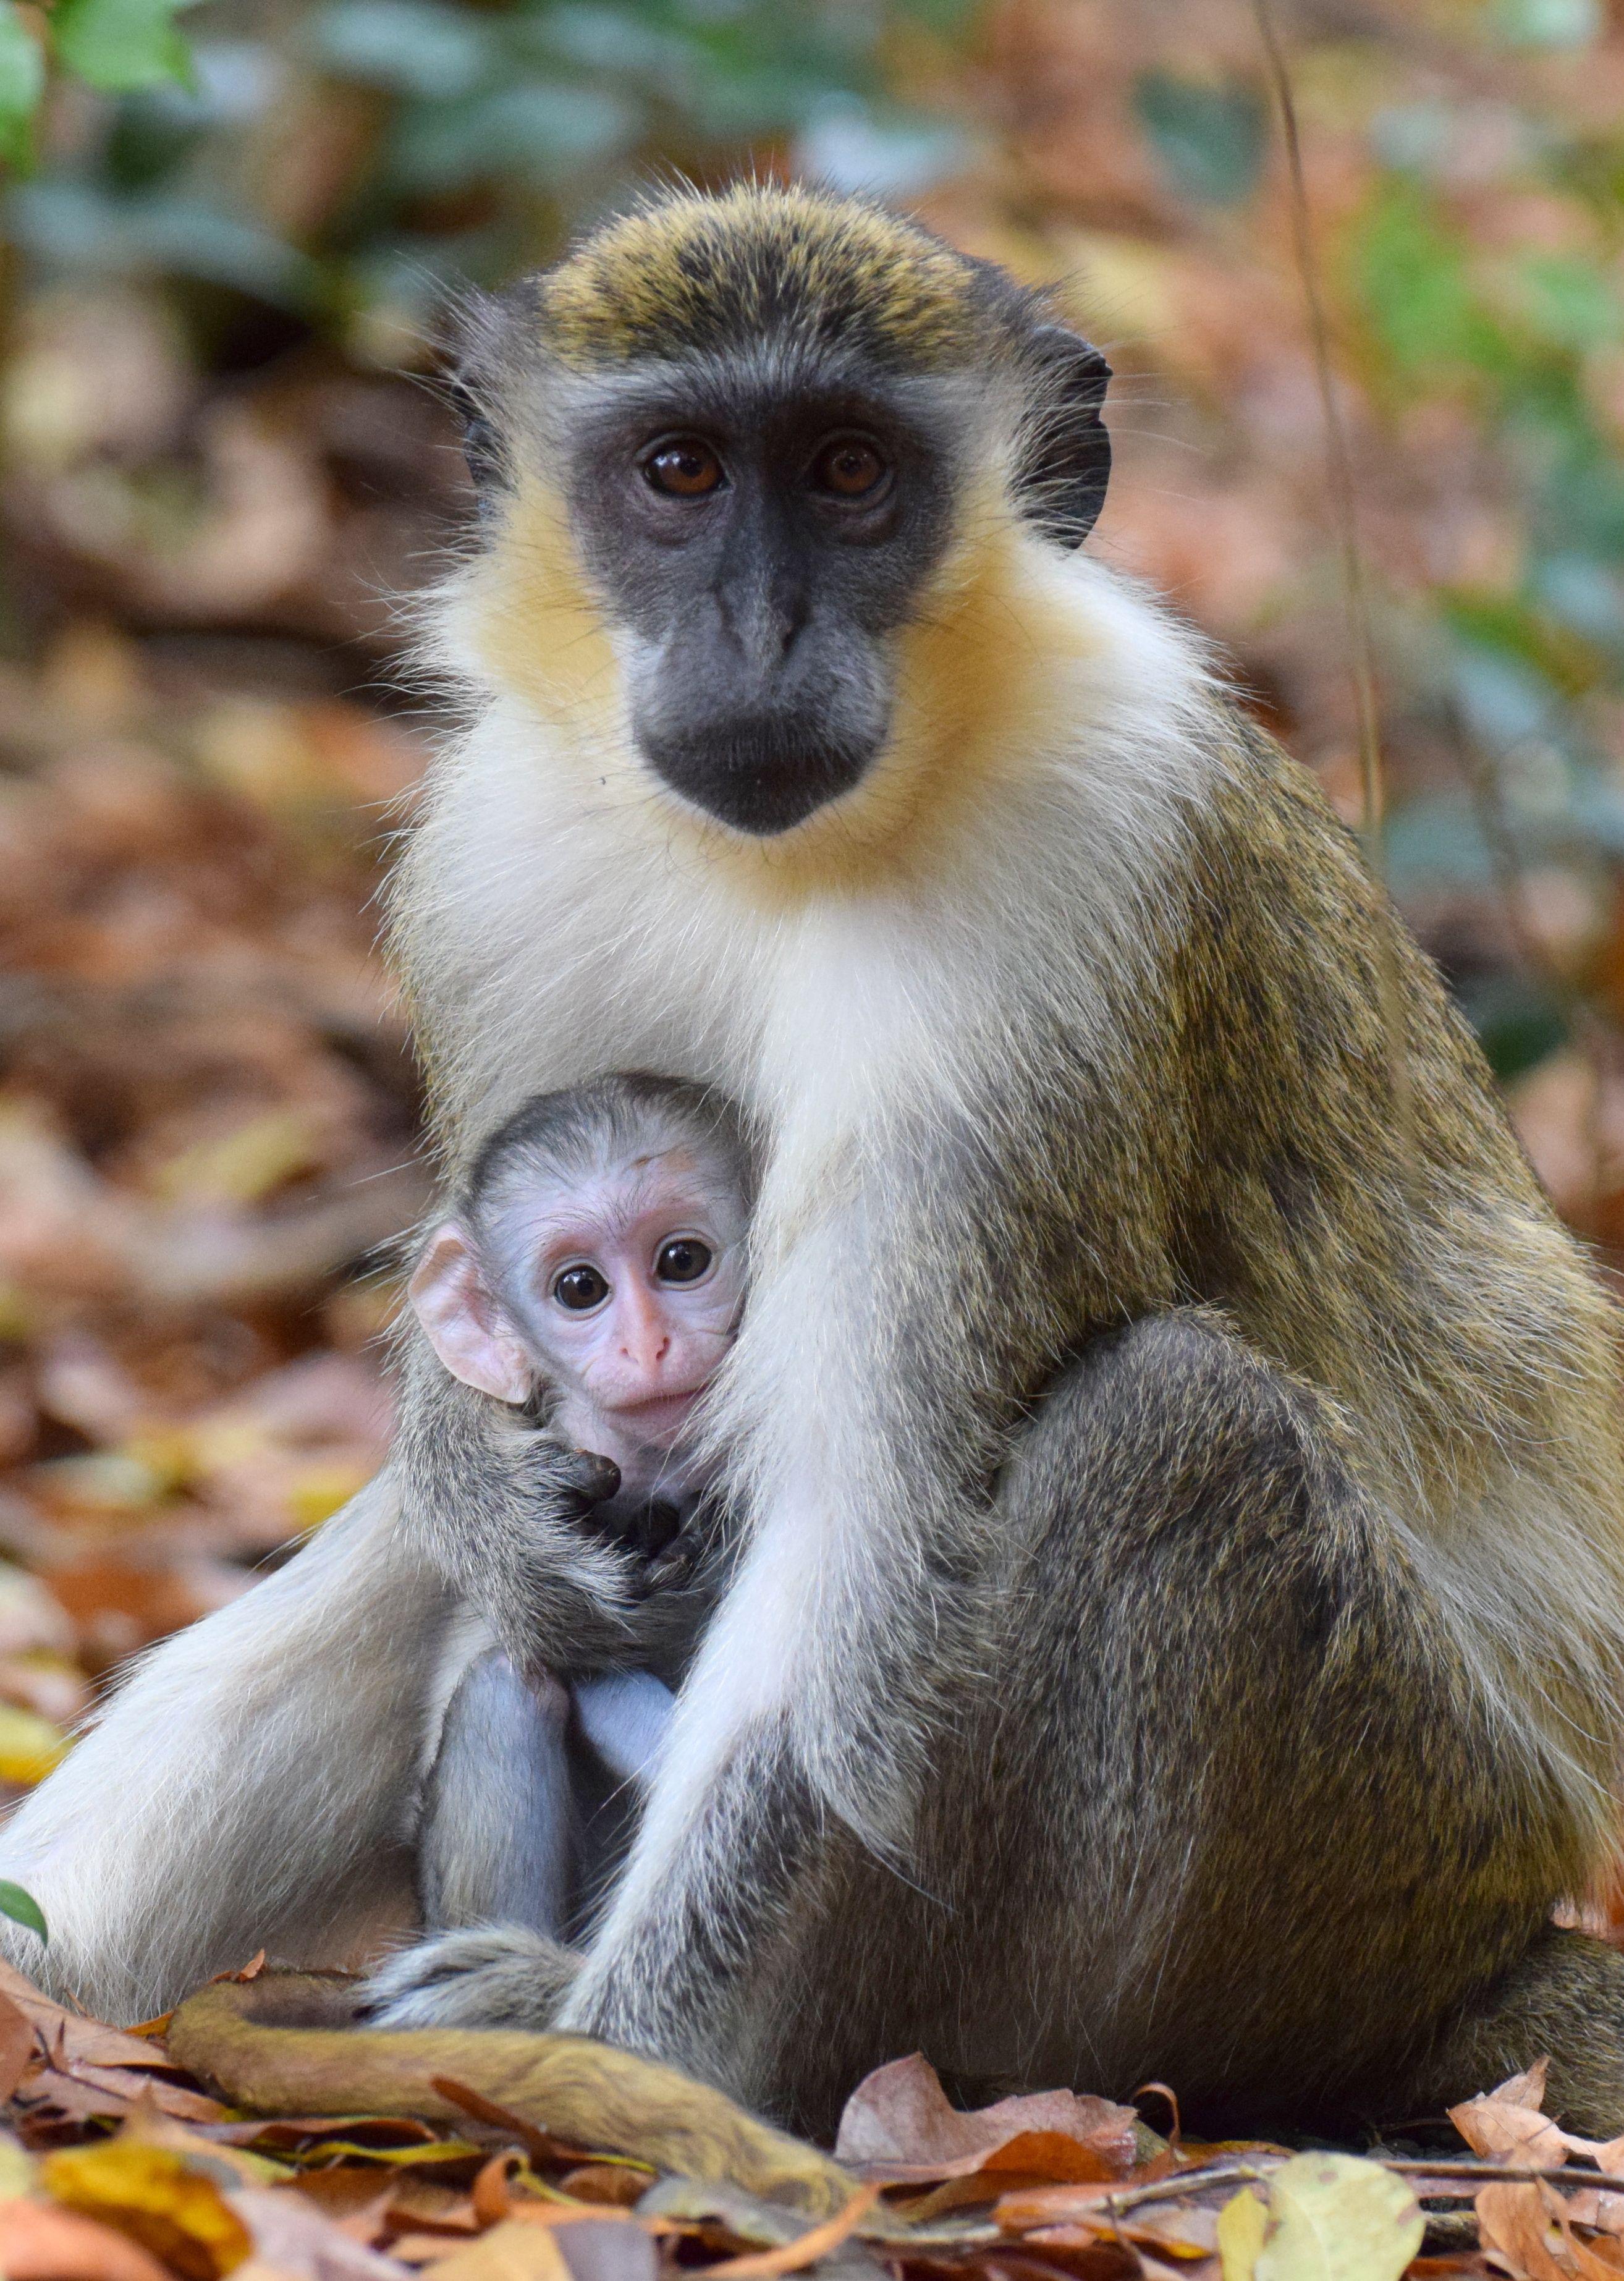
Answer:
[(693, 273)]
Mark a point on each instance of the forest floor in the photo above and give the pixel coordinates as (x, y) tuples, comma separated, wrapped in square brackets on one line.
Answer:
[(209, 1142)]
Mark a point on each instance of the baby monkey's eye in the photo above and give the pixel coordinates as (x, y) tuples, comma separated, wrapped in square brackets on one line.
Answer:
[(683, 1260), (849, 466), (580, 1287), (685, 468)]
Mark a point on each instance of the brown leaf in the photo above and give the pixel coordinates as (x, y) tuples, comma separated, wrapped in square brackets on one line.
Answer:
[(295, 2242), (899, 2127), (510, 2252), (45, 2099), (1506, 2123), (170, 2096), (765, 2264), (18, 2044), (72, 2039), (1528, 2226)]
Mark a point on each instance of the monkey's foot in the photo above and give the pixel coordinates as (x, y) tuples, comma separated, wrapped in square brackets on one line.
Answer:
[(483, 1976)]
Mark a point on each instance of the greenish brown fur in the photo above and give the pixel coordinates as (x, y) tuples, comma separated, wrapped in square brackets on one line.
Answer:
[(693, 273)]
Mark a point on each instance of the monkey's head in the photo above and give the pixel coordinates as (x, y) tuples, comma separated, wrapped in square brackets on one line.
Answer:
[(741, 440)]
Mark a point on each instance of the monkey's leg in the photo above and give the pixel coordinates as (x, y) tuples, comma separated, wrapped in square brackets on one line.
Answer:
[(247, 1786), (497, 1840), (624, 1715), (1221, 1806), (1563, 2000), (1213, 1796), (1281, 1830)]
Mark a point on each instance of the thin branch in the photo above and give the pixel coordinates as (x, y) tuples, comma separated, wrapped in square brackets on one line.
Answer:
[(1475, 2169), (1355, 594)]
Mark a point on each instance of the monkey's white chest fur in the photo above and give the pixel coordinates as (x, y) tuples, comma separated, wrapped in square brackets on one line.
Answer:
[(567, 921)]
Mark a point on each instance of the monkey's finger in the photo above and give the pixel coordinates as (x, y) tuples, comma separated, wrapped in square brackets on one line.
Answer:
[(673, 1566), (277, 2045), (584, 1473)]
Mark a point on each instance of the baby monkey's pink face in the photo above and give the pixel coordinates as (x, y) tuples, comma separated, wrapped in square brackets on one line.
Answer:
[(632, 1289), (621, 1289)]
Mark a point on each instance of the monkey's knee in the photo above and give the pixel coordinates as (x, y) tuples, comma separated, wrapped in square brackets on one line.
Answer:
[(1187, 1451), (1563, 2001)]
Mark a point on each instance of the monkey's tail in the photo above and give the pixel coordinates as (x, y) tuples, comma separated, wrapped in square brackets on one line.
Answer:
[(280, 2044)]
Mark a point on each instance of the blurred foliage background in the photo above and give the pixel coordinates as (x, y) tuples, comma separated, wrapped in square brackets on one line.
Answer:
[(231, 235)]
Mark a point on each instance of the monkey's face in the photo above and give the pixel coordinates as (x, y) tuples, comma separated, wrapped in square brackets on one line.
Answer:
[(758, 545), (628, 1287), (765, 477)]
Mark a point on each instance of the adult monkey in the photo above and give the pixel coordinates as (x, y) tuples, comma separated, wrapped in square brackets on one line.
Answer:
[(1182, 1629)]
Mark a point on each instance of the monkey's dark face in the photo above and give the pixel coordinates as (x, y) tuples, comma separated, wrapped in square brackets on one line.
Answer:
[(757, 546)]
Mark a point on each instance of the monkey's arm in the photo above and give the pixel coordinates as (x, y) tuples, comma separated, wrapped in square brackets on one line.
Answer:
[(502, 1507), (249, 1784), (822, 1678)]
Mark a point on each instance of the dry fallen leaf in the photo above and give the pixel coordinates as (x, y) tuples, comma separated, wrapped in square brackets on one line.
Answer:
[(1331, 2217), (899, 2127), (511, 2251), (1506, 2122), (295, 2241), (1527, 2227), (40, 2242), (18, 2044), (156, 2197)]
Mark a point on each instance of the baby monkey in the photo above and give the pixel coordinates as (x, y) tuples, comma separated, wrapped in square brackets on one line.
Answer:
[(588, 1285)]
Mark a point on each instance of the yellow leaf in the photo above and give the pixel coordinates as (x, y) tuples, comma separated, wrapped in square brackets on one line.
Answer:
[(1243, 2223), (242, 1166), (153, 2196), (17, 2168), (317, 1492), (1336, 2218), (30, 1746)]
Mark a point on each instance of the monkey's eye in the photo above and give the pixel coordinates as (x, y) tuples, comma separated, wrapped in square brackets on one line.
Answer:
[(684, 469), (580, 1289), (683, 1260), (849, 468)]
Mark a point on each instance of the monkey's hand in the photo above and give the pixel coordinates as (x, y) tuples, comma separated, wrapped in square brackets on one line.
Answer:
[(485, 1976), (677, 1586), (497, 1502)]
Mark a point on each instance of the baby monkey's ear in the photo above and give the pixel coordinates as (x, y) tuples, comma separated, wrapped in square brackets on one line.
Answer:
[(467, 1327)]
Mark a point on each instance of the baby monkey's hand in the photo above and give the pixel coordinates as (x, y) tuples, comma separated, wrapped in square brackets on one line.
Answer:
[(665, 1545)]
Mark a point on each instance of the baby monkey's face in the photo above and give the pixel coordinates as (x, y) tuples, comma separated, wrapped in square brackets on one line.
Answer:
[(632, 1286)]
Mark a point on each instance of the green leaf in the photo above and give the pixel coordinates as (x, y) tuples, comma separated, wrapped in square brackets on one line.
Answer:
[(417, 47), (534, 131), (1210, 139), (1412, 275), (22, 1907), (1550, 23), (121, 44), (22, 81)]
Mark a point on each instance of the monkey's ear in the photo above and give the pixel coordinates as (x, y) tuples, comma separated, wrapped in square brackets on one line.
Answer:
[(467, 1327), (1067, 462), (482, 446)]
